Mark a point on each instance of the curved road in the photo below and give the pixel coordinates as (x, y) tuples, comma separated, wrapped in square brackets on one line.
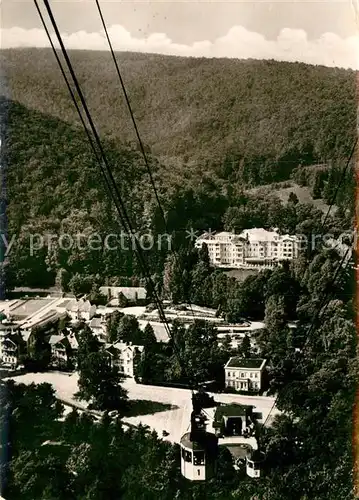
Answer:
[(175, 422)]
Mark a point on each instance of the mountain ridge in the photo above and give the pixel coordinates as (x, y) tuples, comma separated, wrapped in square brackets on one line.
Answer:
[(196, 110)]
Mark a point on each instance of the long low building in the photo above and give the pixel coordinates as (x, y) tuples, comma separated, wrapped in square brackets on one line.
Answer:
[(252, 248), (240, 329)]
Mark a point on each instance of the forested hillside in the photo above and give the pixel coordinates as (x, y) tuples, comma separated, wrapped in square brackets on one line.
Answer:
[(213, 129), (265, 117)]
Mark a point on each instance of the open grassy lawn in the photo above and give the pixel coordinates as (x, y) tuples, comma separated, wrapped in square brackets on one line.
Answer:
[(303, 193)]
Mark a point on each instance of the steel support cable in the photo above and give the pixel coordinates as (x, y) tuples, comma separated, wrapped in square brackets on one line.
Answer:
[(68, 85), (103, 160), (130, 108), (344, 171), (322, 308), (324, 303), (122, 83), (104, 163)]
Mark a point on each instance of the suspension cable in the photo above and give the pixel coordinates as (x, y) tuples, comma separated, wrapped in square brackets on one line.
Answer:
[(122, 83), (104, 163)]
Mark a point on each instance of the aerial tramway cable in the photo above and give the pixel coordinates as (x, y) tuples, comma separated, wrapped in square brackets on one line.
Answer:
[(101, 157), (344, 171), (102, 160), (69, 88), (122, 83), (324, 302), (143, 150), (326, 298), (130, 110)]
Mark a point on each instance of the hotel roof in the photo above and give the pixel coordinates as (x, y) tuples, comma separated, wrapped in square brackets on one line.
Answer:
[(253, 235), (238, 362)]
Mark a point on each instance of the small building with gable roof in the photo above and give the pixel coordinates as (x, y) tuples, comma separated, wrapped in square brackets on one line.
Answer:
[(80, 310), (123, 356), (63, 349)]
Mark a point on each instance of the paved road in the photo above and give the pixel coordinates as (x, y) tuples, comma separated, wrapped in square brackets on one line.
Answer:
[(175, 422)]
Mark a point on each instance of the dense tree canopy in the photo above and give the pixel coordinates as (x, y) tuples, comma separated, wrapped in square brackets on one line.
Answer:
[(238, 139), (267, 118), (54, 185)]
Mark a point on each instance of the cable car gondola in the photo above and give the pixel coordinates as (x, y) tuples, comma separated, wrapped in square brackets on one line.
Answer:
[(199, 448), (254, 463)]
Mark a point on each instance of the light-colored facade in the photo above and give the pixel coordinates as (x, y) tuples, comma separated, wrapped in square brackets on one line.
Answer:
[(80, 310), (244, 374), (59, 350), (9, 348), (123, 355), (9, 351), (62, 349), (134, 294), (98, 327), (252, 248)]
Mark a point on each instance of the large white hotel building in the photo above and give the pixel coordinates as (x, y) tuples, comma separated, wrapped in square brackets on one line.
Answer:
[(252, 248)]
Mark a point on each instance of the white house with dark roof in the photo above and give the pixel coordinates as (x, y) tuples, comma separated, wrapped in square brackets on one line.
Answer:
[(9, 344), (62, 348), (123, 356), (59, 349), (9, 351), (244, 374)]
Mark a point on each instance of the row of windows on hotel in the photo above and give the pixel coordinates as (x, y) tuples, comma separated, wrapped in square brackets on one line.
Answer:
[(261, 250), (243, 374), (229, 253), (241, 385), (286, 244)]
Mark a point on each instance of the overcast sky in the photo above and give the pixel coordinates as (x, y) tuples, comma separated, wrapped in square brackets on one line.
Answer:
[(321, 32)]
